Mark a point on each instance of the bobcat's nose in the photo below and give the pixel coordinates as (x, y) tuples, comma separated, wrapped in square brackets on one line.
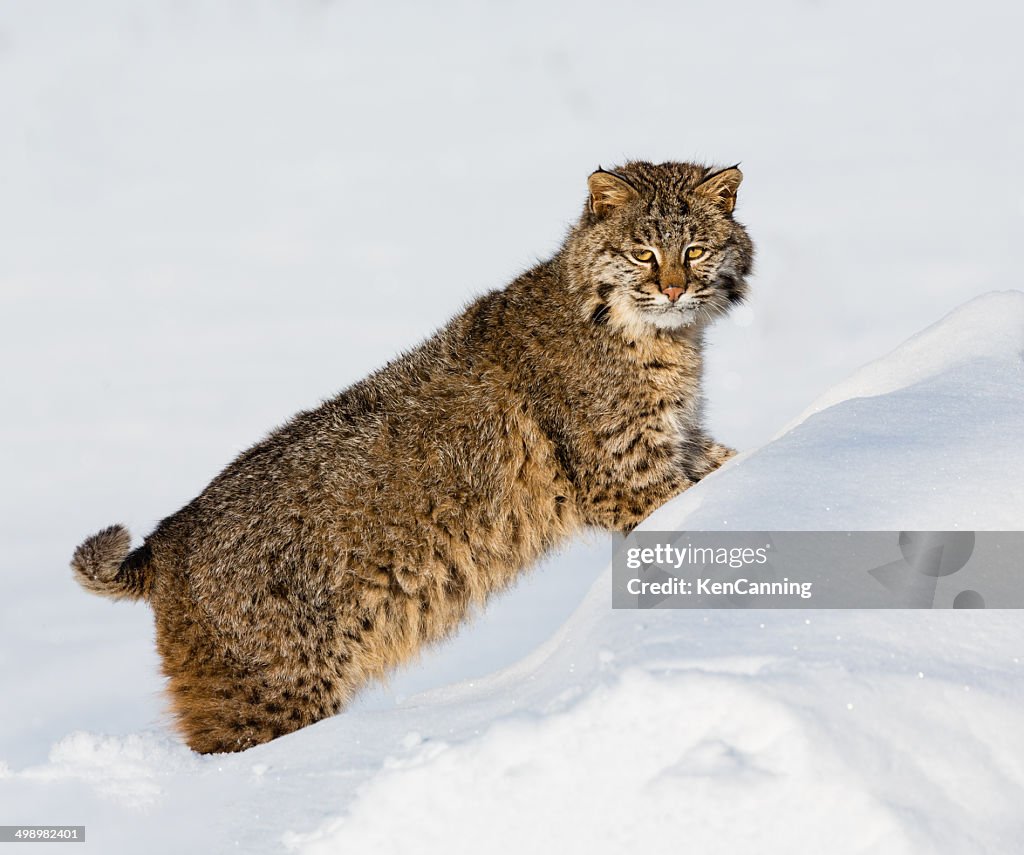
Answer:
[(673, 293)]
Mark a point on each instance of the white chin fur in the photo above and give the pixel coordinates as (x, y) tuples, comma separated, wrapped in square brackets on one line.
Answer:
[(673, 319), (636, 322)]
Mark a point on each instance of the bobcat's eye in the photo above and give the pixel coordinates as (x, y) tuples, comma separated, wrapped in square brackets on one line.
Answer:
[(644, 256), (695, 252)]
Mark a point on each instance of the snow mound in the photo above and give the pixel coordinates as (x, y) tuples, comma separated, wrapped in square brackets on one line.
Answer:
[(989, 327), (925, 438), (641, 763), (620, 735), (650, 759), (722, 731)]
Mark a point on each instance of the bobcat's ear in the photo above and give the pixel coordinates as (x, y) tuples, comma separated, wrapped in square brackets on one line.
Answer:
[(608, 191), (721, 186)]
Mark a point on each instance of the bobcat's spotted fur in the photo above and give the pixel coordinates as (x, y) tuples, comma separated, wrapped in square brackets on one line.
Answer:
[(365, 528)]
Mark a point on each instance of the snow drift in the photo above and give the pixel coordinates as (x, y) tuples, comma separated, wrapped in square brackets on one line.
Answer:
[(769, 731), (846, 732), (217, 213), (926, 438)]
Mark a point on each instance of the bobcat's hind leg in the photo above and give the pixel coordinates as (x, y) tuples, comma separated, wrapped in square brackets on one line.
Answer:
[(221, 705)]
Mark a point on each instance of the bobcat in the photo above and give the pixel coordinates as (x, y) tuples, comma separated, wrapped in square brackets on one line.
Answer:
[(367, 527)]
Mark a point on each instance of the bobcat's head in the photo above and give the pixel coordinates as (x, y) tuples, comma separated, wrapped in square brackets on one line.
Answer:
[(657, 246)]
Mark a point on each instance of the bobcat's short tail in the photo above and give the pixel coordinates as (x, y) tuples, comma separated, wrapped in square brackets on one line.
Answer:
[(103, 565)]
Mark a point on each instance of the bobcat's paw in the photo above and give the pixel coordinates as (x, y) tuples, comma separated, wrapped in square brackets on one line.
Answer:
[(719, 454)]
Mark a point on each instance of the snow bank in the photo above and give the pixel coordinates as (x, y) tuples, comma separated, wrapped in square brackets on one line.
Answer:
[(209, 210), (986, 330), (926, 438), (725, 731), (844, 732), (683, 754)]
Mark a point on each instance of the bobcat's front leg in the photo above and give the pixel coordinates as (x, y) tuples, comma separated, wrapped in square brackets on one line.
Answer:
[(710, 455), (623, 509), (717, 454)]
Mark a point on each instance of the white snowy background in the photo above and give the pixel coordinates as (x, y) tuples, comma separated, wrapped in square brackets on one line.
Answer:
[(213, 215)]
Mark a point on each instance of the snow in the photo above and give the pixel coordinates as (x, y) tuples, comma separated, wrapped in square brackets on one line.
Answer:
[(844, 732), (986, 329), (885, 449), (216, 214)]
